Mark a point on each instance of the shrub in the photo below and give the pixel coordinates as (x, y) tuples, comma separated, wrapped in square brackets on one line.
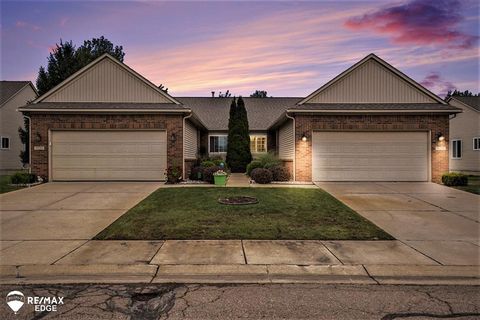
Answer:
[(261, 175), (174, 174), (253, 165), (455, 179), (196, 173), (208, 163), (23, 178), (269, 160), (208, 173), (280, 173)]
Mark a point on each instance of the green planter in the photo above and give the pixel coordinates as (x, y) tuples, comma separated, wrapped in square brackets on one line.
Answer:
[(220, 180)]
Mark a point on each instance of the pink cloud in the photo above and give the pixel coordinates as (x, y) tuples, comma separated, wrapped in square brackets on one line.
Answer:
[(436, 83), (63, 21), (418, 22), (23, 24)]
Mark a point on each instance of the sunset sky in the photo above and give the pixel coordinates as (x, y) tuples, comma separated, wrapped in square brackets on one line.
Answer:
[(287, 48)]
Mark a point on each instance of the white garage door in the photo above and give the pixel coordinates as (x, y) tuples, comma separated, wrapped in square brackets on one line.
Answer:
[(108, 155), (370, 156)]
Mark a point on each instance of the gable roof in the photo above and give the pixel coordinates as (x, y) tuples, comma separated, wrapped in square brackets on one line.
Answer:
[(262, 112), (367, 59), (473, 102), (9, 89), (92, 64)]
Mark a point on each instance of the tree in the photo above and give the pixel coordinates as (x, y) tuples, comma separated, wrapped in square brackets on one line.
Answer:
[(162, 87), (458, 93), (24, 134), (238, 145), (65, 60), (259, 94), (227, 94)]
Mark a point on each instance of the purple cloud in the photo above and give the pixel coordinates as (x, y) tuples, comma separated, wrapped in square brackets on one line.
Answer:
[(418, 22), (435, 82)]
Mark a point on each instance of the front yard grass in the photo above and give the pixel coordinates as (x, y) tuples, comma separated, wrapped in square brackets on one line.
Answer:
[(282, 213), (4, 184), (473, 185)]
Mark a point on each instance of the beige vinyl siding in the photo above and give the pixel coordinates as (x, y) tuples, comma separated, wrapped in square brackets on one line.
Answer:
[(465, 126), (107, 82), (370, 156), (286, 143), (191, 141), (108, 155), (371, 83), (10, 121)]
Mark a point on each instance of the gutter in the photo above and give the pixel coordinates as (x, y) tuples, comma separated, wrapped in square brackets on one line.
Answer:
[(398, 111), (294, 146), (107, 110)]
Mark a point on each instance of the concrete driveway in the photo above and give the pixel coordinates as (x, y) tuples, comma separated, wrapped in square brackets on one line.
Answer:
[(440, 222), (44, 223)]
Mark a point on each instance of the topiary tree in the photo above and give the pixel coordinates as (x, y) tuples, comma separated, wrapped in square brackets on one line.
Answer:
[(238, 145)]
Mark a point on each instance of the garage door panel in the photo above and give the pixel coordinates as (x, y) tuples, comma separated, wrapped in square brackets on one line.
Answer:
[(370, 156), (108, 155)]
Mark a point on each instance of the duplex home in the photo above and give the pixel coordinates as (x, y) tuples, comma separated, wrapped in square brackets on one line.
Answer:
[(465, 135), (13, 94), (371, 122)]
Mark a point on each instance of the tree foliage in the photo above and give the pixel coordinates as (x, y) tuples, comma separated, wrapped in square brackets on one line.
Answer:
[(259, 94), (65, 60), (457, 93), (238, 145)]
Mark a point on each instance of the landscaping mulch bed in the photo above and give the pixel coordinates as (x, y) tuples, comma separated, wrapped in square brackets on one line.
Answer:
[(239, 200)]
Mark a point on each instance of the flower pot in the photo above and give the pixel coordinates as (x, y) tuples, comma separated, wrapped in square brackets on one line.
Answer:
[(220, 180)]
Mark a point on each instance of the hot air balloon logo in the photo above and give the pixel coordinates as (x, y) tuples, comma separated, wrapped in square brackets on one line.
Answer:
[(15, 300)]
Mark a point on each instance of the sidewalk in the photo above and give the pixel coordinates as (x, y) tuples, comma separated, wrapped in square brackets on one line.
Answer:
[(237, 261), (238, 180)]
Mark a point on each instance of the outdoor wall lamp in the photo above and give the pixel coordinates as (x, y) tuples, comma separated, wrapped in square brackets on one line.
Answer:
[(38, 137), (173, 138), (304, 137), (440, 136)]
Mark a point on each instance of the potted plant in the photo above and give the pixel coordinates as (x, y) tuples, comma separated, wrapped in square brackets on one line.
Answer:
[(220, 178)]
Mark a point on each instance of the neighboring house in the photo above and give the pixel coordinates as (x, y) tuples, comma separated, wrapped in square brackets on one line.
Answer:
[(13, 94), (370, 123), (465, 135)]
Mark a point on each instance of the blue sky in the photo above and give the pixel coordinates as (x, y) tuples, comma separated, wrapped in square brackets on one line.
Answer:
[(287, 48)]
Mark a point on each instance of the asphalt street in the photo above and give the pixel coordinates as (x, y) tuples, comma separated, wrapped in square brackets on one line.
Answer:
[(289, 301)]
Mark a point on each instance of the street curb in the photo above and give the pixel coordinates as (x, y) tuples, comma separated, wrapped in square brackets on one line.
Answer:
[(230, 274)]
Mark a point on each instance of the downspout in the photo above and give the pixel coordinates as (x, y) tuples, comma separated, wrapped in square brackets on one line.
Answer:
[(294, 147), (30, 143), (183, 144)]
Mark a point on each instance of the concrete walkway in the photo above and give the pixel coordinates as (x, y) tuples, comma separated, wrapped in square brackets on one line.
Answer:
[(238, 180)]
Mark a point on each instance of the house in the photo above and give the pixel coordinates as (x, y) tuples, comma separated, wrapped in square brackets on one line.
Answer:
[(13, 94), (372, 122), (465, 135)]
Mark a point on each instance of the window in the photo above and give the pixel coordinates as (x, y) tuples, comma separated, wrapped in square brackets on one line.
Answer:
[(258, 144), (218, 144), (476, 143), (456, 149), (5, 143)]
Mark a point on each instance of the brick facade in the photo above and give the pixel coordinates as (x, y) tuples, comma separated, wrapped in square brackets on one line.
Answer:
[(42, 123), (306, 124)]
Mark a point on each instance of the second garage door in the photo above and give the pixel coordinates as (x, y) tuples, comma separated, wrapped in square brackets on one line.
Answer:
[(108, 155), (370, 156)]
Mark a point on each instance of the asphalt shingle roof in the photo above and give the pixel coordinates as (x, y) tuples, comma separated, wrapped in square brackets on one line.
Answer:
[(10, 88), (473, 102), (214, 112), (373, 106)]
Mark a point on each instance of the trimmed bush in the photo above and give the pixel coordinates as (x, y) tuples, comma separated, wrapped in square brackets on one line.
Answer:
[(208, 163), (261, 175), (268, 160), (196, 173), (173, 174), (23, 178), (455, 179), (280, 173), (253, 165), (208, 173)]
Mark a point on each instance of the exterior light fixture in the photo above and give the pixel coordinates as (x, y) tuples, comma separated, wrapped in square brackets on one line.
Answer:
[(304, 137), (38, 137), (173, 138), (440, 136)]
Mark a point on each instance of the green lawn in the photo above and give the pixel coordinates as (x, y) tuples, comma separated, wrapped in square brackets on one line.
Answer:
[(4, 187), (282, 213), (473, 185)]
